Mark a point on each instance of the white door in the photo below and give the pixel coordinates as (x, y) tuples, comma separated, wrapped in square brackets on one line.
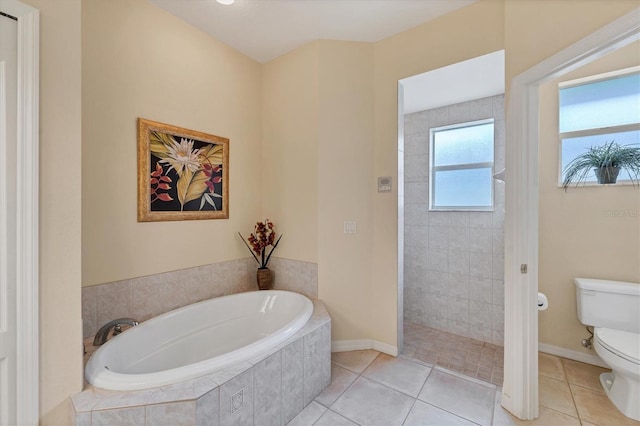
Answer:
[(8, 159)]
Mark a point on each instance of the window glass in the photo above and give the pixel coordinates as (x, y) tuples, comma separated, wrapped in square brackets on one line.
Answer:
[(605, 103), (595, 112), (463, 188), (472, 144), (572, 147), (462, 166)]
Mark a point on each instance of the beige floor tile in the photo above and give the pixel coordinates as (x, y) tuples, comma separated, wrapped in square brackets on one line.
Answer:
[(309, 415), (555, 394), (341, 379), (595, 407), (584, 375), (355, 361), (426, 414), (459, 396), (546, 417), (329, 418), (398, 373), (369, 403), (550, 366)]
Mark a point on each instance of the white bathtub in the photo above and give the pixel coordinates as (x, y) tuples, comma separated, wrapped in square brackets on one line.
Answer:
[(198, 339)]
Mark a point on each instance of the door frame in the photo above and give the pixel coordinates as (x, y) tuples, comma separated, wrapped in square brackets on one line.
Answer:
[(520, 388), (27, 217)]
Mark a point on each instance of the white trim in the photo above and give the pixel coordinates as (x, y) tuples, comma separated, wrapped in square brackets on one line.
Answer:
[(598, 77), (27, 210), (363, 344), (400, 276), (520, 391), (3, 201), (571, 354)]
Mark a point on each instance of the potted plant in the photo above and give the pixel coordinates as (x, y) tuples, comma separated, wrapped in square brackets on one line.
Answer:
[(263, 236), (606, 161)]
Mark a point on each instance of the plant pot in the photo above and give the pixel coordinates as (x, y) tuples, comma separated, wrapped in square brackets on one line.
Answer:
[(607, 174), (265, 279)]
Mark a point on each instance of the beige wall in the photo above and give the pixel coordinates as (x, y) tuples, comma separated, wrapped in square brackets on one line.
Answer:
[(346, 185), (579, 237), (140, 61), (452, 38), (317, 142), (289, 178), (60, 168), (535, 29)]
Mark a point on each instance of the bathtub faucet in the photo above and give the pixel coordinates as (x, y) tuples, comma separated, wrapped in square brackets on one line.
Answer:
[(116, 325)]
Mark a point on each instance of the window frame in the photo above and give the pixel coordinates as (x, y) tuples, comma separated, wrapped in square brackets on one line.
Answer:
[(597, 130), (462, 166)]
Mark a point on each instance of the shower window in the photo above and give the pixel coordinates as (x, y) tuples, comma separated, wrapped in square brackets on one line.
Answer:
[(598, 109), (461, 166)]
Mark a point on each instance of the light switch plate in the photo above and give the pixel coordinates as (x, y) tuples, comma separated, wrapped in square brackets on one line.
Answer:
[(349, 226)]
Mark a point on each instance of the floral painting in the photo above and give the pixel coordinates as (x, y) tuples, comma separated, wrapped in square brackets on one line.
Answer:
[(182, 174)]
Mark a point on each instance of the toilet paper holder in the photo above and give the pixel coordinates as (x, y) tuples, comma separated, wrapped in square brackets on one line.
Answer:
[(543, 302)]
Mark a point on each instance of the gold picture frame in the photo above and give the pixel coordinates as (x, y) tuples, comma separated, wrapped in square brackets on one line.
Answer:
[(182, 174)]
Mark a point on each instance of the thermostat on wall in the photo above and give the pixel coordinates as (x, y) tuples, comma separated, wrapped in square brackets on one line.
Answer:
[(384, 184)]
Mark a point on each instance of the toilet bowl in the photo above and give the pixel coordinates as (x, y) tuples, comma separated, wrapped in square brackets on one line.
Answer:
[(620, 350), (613, 309)]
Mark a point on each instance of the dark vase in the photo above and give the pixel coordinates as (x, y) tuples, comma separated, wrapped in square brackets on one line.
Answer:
[(607, 174), (265, 279)]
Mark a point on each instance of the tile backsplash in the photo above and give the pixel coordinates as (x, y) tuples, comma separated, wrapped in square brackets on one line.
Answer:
[(453, 260), (145, 297)]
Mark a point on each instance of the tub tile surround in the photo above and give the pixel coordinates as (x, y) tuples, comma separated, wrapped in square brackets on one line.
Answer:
[(453, 260), (146, 297), (294, 275), (276, 385)]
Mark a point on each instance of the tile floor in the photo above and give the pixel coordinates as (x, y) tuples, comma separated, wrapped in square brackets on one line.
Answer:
[(371, 388), (470, 357)]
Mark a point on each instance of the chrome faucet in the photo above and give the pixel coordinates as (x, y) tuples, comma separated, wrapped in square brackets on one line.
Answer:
[(116, 325)]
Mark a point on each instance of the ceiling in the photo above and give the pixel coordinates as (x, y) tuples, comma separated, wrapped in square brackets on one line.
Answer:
[(266, 29), (475, 78)]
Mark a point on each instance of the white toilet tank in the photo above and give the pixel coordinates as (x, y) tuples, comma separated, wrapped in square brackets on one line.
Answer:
[(609, 304)]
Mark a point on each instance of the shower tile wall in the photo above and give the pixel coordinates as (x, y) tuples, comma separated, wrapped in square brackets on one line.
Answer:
[(453, 261)]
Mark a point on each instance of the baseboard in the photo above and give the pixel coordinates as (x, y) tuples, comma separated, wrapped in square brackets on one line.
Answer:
[(358, 345), (571, 354)]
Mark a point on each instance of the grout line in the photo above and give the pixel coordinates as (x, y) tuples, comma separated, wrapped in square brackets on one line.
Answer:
[(573, 400), (410, 409), (341, 393)]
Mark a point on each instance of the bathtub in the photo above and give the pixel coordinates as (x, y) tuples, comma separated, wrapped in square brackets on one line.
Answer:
[(198, 339)]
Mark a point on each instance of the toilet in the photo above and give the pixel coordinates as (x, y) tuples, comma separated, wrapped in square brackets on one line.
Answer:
[(613, 309)]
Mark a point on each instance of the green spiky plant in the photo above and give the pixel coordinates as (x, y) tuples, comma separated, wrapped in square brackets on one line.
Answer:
[(606, 160)]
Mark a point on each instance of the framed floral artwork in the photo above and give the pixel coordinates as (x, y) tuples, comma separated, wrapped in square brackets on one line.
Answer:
[(182, 174)]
